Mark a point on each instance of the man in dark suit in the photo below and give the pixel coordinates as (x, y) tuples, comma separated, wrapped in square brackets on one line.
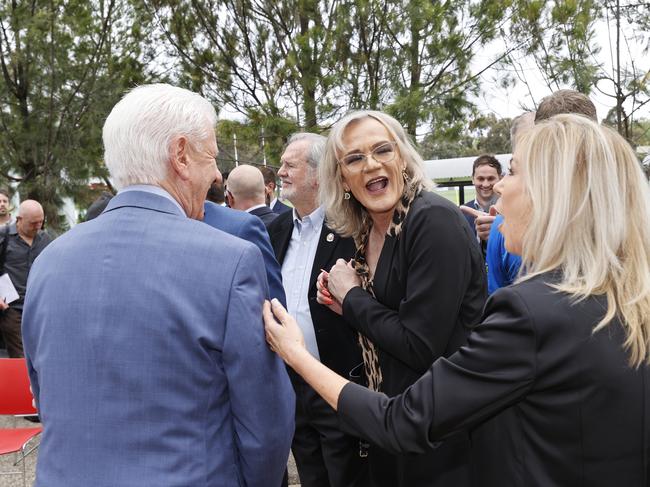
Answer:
[(272, 201), (304, 245), (246, 192)]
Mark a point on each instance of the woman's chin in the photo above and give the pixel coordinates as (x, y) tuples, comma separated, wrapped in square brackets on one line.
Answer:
[(512, 246)]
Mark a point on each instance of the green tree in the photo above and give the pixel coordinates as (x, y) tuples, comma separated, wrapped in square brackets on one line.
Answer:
[(435, 43), (560, 37), (273, 57), (628, 82), (258, 139), (64, 64)]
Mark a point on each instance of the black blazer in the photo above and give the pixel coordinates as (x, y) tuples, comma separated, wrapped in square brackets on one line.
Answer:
[(337, 342), (430, 290), (549, 402), (265, 214), (280, 207), (430, 287)]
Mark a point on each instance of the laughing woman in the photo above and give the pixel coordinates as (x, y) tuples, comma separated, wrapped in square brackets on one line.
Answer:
[(558, 371), (416, 286)]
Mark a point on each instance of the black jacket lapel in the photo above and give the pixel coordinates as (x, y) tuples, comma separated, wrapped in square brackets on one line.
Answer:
[(327, 244), (280, 233)]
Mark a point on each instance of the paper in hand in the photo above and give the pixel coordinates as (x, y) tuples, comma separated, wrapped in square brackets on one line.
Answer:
[(7, 290)]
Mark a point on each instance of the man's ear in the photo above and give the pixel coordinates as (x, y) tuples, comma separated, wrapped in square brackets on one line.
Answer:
[(179, 161)]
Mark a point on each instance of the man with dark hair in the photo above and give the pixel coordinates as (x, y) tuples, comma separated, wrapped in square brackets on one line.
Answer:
[(271, 199), (5, 201), (486, 172), (216, 193)]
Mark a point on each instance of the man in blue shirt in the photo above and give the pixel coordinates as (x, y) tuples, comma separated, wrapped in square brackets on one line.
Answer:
[(503, 267)]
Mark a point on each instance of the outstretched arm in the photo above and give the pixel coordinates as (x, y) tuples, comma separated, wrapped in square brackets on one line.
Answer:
[(494, 370)]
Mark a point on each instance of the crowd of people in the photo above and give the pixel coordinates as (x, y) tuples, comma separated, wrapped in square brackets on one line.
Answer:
[(155, 332)]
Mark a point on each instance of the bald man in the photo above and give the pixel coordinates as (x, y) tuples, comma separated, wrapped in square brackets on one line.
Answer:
[(246, 192), (20, 244)]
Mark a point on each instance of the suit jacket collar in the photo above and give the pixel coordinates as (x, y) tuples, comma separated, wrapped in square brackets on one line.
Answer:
[(280, 232), (283, 228), (144, 199), (262, 210)]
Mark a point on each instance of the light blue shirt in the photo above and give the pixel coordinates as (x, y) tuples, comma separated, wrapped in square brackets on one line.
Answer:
[(150, 188), (296, 271)]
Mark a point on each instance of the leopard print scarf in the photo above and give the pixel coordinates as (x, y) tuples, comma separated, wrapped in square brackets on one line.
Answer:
[(368, 350)]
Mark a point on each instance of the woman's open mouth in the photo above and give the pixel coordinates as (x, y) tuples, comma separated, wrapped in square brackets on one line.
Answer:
[(377, 184)]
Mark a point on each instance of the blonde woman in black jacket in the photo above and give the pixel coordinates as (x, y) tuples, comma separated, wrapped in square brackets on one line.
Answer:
[(554, 384)]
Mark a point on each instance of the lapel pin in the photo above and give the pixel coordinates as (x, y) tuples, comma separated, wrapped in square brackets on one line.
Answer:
[(330, 237)]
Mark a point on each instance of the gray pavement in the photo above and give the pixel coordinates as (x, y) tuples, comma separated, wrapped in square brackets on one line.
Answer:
[(6, 461)]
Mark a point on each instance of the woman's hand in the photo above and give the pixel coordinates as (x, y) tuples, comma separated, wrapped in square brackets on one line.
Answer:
[(285, 338), (323, 296), (342, 277), (282, 332)]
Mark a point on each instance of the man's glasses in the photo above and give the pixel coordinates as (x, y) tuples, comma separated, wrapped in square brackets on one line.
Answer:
[(383, 154)]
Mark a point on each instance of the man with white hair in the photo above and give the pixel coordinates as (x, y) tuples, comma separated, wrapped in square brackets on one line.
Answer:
[(246, 192), (21, 243), (161, 374)]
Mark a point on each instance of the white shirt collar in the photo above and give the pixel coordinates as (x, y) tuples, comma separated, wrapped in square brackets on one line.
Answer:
[(315, 218)]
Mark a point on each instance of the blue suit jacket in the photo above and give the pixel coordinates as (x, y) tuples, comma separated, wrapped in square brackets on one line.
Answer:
[(146, 369), (252, 229)]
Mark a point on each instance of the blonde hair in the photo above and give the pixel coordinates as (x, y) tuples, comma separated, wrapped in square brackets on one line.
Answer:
[(346, 216), (590, 209)]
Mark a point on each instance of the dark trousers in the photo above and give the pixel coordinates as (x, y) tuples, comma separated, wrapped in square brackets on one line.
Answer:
[(325, 456), (10, 320)]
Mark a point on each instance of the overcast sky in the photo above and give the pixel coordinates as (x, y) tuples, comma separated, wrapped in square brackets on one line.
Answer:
[(508, 103)]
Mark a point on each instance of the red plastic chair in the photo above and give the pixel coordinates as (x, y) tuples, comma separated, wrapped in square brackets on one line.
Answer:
[(15, 399)]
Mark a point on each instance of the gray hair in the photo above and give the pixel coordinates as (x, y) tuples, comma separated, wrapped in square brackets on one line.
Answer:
[(316, 147), (346, 216), (139, 130)]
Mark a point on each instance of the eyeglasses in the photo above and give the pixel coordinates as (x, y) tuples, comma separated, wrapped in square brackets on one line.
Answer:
[(383, 153)]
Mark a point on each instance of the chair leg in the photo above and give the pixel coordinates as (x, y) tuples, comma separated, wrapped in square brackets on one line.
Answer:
[(22, 450), (31, 450)]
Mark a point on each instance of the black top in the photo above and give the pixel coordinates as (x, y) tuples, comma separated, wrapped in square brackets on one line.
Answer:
[(337, 343), (430, 289), (265, 214), (549, 402), (19, 259), (279, 207)]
